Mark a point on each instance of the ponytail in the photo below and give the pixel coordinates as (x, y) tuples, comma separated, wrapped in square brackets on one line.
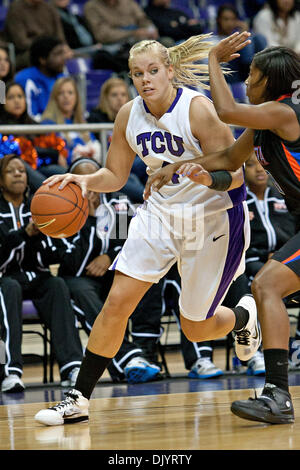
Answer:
[(187, 59)]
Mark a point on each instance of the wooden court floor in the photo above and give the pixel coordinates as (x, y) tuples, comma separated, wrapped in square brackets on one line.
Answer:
[(184, 421), (174, 414)]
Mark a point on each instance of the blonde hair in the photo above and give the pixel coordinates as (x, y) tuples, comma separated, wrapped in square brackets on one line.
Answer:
[(103, 104), (53, 113), (186, 59)]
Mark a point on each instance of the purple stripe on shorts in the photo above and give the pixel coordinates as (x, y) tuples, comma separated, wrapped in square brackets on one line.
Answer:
[(113, 266), (238, 195), (234, 253)]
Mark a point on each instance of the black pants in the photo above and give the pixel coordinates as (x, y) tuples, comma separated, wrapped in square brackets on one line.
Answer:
[(51, 298)]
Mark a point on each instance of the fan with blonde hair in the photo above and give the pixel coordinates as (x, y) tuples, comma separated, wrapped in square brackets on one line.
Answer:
[(64, 107), (54, 113), (104, 103)]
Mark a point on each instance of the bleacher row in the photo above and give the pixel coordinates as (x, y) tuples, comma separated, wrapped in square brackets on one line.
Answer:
[(90, 80), (203, 10)]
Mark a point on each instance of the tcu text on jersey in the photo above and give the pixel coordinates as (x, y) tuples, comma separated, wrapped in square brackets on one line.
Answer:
[(159, 142)]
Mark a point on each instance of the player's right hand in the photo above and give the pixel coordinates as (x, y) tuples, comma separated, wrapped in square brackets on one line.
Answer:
[(66, 178), (159, 179), (196, 173), (228, 49)]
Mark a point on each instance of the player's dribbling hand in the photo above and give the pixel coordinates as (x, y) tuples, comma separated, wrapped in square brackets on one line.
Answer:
[(228, 49), (195, 173), (66, 178)]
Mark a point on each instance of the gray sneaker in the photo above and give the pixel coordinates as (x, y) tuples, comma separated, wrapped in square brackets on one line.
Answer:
[(12, 384), (204, 368), (71, 380), (273, 406)]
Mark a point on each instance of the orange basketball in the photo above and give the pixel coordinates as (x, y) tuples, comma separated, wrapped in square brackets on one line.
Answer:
[(59, 212)]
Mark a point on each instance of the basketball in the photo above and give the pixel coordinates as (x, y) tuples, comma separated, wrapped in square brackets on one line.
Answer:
[(59, 213)]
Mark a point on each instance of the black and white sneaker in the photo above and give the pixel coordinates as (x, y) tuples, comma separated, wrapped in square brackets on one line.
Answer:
[(248, 340), (73, 409), (273, 406)]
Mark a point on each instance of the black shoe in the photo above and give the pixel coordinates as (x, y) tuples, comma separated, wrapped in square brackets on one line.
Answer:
[(273, 406)]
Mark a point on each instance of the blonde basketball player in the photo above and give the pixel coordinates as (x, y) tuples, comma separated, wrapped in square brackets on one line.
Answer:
[(203, 228)]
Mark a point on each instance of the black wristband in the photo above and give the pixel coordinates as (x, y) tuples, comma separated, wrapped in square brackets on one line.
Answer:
[(221, 180)]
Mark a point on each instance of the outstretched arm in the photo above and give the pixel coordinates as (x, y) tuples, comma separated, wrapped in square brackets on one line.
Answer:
[(262, 115)]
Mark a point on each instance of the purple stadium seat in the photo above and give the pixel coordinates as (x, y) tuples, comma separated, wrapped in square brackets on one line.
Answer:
[(187, 6), (239, 92), (79, 65), (30, 316), (94, 81), (3, 13)]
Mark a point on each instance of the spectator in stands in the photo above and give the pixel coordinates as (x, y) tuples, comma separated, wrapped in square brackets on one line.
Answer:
[(117, 24), (172, 22), (76, 29), (64, 107), (43, 155), (47, 65), (26, 278), (28, 19), (279, 22), (6, 67), (228, 22), (114, 94), (84, 262)]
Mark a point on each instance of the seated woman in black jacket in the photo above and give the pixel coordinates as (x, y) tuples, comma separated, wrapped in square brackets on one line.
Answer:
[(23, 276)]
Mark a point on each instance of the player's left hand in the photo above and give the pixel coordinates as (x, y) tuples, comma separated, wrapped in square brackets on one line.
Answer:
[(228, 49), (196, 173)]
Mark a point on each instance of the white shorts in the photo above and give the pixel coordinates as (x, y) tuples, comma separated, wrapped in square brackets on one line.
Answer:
[(207, 266)]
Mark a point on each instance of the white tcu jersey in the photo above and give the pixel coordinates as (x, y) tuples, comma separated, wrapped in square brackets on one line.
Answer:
[(168, 140)]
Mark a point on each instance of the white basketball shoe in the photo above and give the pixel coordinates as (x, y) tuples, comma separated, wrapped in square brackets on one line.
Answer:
[(248, 339), (73, 409)]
